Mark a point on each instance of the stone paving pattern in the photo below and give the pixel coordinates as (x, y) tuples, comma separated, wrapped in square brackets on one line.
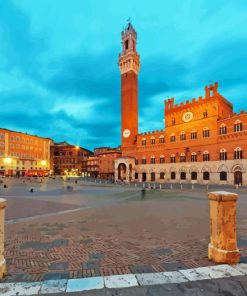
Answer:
[(114, 235)]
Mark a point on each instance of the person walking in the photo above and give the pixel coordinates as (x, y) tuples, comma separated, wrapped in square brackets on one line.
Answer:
[(143, 192)]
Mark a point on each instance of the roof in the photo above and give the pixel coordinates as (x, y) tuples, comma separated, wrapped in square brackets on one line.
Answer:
[(25, 134)]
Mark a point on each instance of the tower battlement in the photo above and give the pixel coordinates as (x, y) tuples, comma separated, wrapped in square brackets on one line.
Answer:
[(210, 92)]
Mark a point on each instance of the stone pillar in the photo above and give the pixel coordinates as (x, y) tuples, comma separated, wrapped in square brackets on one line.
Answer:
[(223, 239), (3, 269)]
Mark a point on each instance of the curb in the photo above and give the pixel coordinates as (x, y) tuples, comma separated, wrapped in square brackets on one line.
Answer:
[(122, 281)]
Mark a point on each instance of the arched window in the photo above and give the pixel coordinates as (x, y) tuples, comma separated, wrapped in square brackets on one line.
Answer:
[(183, 176), (205, 113), (194, 176), (223, 129), (162, 159), (193, 135), (136, 161), (182, 136), (223, 154), (173, 158), (205, 132), (193, 157), (162, 175), (173, 175), (238, 153), (152, 159), (152, 140), (162, 139), (182, 157), (238, 126), (144, 161), (144, 142), (172, 138), (223, 176), (206, 176), (206, 156)]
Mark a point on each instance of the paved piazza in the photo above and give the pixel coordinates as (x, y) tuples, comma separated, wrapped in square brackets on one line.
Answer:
[(94, 229)]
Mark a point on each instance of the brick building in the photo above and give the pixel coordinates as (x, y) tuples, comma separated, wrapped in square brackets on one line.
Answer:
[(69, 159), (101, 165), (203, 139), (107, 161), (22, 154)]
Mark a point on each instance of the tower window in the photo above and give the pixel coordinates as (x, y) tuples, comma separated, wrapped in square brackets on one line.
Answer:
[(126, 44)]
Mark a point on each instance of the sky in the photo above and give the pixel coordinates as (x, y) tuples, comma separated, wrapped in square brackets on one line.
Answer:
[(59, 76)]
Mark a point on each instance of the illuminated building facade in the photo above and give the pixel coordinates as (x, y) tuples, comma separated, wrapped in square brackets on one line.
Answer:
[(203, 141), (69, 159), (23, 155)]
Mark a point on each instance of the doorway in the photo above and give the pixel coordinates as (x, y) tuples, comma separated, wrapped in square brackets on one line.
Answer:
[(238, 179)]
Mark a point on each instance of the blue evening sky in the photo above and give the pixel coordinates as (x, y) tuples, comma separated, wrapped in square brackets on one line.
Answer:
[(58, 62)]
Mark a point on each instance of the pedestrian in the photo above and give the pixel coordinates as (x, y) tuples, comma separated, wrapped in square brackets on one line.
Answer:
[(31, 190), (143, 192)]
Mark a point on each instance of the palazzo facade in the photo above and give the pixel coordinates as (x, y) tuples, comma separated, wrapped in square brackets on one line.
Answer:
[(203, 140)]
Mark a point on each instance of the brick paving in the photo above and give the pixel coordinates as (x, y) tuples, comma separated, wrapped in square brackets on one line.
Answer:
[(132, 237)]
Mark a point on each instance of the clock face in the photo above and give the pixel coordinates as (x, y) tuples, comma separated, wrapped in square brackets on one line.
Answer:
[(126, 133), (188, 116)]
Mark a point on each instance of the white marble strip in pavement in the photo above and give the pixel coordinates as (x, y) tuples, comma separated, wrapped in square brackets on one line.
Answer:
[(122, 281)]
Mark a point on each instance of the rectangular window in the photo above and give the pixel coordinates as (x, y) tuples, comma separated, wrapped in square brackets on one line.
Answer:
[(182, 137), (152, 160)]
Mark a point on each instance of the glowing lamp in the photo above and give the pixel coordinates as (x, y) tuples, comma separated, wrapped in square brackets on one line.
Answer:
[(43, 162), (7, 160)]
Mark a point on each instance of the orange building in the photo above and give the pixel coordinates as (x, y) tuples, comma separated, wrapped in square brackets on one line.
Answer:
[(69, 159), (203, 140), (23, 155)]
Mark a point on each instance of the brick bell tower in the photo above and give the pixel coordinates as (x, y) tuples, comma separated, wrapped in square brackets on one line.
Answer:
[(129, 65)]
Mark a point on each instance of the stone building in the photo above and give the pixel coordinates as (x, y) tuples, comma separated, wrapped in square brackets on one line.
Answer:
[(203, 140), (22, 154)]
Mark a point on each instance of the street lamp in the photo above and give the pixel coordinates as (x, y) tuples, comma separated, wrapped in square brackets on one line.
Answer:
[(7, 160)]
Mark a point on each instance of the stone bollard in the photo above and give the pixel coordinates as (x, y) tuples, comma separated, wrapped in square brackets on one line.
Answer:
[(171, 186), (160, 186), (3, 268), (223, 239)]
